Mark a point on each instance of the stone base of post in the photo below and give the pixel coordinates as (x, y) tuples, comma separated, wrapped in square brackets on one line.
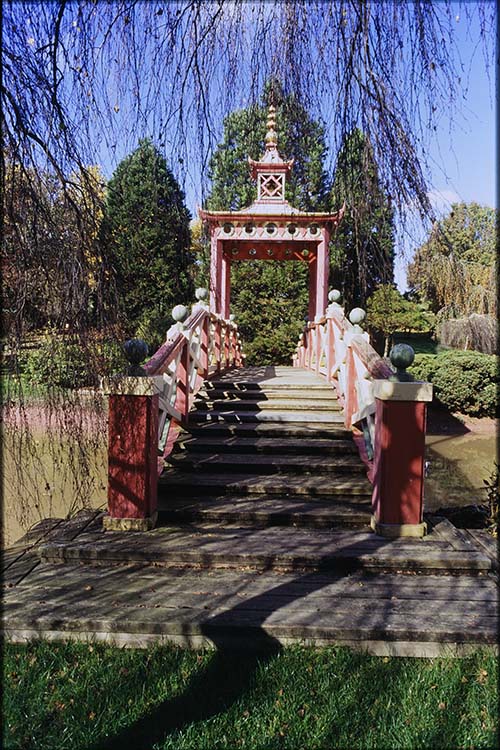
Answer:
[(398, 489), (132, 454)]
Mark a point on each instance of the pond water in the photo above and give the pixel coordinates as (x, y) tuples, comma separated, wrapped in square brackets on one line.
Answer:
[(53, 464), (45, 475), (460, 455)]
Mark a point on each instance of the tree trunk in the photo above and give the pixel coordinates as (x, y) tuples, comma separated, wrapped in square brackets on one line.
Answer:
[(387, 346)]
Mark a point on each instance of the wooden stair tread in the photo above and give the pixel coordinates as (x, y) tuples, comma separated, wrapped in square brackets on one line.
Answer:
[(267, 445), (270, 484), (269, 548), (332, 430), (236, 415), (265, 463)]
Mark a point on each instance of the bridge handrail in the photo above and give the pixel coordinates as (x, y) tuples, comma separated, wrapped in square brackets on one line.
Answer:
[(339, 350), (203, 344)]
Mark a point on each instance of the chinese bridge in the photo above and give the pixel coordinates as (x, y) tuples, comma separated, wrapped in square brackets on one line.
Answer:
[(268, 504)]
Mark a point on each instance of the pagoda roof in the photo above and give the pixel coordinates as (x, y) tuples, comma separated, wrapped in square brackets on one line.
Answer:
[(260, 210)]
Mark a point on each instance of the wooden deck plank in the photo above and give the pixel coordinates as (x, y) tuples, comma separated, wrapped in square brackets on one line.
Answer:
[(266, 548), (486, 542), (16, 572), (106, 598), (356, 584), (390, 626), (171, 591)]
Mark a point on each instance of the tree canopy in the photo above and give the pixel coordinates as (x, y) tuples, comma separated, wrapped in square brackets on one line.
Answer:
[(83, 78), (83, 82), (389, 312), (454, 270), (362, 253), (146, 232)]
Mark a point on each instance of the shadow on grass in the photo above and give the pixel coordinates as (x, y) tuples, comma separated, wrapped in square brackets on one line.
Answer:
[(226, 679)]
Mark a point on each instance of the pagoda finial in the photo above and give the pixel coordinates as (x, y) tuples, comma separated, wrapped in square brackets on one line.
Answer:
[(271, 135)]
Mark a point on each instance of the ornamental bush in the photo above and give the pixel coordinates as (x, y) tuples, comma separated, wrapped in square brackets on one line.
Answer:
[(464, 381), (64, 362)]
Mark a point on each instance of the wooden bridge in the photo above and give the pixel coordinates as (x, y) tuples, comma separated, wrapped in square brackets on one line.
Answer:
[(264, 516), (266, 505)]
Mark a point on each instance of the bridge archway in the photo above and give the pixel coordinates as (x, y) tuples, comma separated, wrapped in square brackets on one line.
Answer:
[(270, 229)]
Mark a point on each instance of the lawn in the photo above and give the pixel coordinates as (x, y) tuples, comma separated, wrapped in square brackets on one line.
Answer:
[(96, 697)]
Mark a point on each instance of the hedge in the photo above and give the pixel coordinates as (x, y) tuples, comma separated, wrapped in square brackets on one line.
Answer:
[(464, 381)]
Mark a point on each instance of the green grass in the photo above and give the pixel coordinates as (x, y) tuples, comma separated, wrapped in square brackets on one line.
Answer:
[(421, 343), (68, 695)]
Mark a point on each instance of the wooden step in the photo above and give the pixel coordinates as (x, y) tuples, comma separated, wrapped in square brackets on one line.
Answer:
[(307, 417), (342, 512), (274, 548), (267, 445), (234, 387), (173, 482), (252, 405), (137, 605), (332, 431), (276, 394), (264, 464)]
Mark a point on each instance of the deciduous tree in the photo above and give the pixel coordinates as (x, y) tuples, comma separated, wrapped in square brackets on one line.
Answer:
[(454, 270), (362, 252), (389, 312)]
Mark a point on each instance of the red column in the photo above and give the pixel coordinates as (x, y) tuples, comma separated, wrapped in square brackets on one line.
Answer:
[(225, 287), (322, 273), (313, 288), (215, 275), (398, 490), (132, 462)]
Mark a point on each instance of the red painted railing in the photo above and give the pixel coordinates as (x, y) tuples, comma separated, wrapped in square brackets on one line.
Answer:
[(201, 346), (340, 351), (147, 409), (383, 405)]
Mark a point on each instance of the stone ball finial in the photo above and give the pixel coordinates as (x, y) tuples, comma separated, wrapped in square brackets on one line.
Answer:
[(201, 293), (136, 351), (334, 295), (401, 356), (180, 313), (357, 315)]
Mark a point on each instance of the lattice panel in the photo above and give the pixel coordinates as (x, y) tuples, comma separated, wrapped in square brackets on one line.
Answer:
[(272, 186)]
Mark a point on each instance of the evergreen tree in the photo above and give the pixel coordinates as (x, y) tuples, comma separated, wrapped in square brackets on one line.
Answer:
[(269, 298), (146, 229), (362, 251)]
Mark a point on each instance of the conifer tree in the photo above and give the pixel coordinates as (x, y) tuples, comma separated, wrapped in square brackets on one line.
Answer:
[(146, 231)]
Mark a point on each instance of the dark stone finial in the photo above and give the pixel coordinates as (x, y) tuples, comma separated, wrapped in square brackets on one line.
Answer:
[(136, 351), (401, 356)]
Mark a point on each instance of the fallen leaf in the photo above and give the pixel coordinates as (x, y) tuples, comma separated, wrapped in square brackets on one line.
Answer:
[(441, 705)]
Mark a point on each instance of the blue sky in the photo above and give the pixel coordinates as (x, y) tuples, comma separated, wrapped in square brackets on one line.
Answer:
[(463, 152)]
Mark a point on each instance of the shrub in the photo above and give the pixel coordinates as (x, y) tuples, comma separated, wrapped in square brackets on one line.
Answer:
[(463, 381), (65, 362)]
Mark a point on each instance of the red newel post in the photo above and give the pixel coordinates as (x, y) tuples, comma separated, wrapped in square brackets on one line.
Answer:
[(132, 454), (398, 489)]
